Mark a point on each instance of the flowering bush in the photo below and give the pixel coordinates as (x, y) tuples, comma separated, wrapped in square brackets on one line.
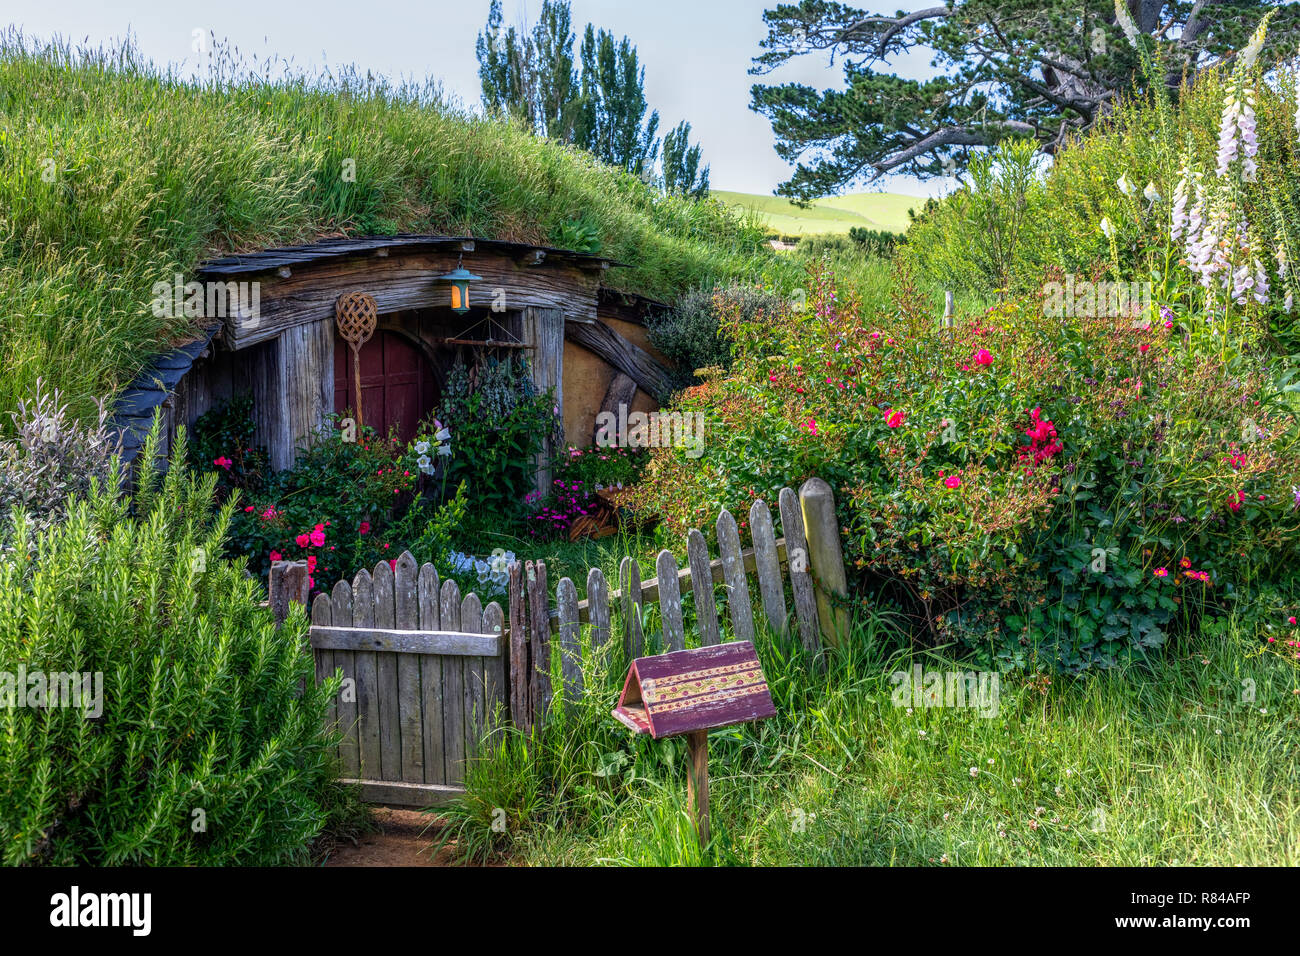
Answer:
[(580, 474), (1012, 483), (344, 505), (223, 443)]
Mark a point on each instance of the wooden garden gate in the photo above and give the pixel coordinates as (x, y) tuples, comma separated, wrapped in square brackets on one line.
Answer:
[(423, 674)]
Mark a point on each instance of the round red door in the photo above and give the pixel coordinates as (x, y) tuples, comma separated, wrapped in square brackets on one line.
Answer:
[(396, 383)]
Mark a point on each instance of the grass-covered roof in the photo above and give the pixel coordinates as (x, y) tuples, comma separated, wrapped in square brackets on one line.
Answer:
[(116, 174)]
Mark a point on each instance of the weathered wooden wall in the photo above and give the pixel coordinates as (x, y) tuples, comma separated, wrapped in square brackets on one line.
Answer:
[(543, 329)]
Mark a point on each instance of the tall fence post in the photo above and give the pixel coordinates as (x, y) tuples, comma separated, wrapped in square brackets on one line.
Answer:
[(825, 558), (288, 584)]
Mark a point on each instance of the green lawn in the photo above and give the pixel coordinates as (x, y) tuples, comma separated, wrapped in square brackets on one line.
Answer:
[(835, 214)]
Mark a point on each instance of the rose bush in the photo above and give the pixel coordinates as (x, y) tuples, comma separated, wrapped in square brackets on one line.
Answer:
[(1014, 483)]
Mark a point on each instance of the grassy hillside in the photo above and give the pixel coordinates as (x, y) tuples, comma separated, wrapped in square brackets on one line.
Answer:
[(114, 175), (835, 214)]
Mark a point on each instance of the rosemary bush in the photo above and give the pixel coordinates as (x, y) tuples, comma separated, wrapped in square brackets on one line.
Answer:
[(208, 747)]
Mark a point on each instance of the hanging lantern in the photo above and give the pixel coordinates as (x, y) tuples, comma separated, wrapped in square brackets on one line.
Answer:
[(459, 278)]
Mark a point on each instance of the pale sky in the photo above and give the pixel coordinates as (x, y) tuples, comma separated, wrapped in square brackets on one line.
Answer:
[(696, 54)]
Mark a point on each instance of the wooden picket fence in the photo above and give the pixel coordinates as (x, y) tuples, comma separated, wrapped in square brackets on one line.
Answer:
[(426, 670), (809, 553)]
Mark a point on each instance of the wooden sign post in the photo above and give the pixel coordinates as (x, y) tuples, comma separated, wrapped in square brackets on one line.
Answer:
[(688, 693)]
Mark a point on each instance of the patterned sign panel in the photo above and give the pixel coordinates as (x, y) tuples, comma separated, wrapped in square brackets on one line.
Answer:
[(696, 689)]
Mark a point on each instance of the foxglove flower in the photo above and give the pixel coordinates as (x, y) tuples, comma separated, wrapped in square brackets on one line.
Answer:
[(1228, 132), (1126, 187), (1261, 284), (1249, 141), (1178, 212), (1251, 52)]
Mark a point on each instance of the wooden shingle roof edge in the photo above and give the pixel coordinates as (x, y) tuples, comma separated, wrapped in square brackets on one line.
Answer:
[(134, 409), (267, 260)]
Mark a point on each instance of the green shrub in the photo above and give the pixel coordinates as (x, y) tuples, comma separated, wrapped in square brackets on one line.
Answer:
[(210, 748), (687, 335), (988, 236), (222, 440), (875, 242)]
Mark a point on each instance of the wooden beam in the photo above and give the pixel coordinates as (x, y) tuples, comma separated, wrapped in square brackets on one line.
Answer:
[(544, 330), (628, 357), (621, 391), (405, 281), (405, 794), (458, 643)]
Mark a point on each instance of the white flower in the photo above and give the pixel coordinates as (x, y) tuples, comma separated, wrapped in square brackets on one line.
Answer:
[(443, 434), (444, 450), (974, 771), (421, 447), (1126, 187), (1107, 229), (1150, 193)]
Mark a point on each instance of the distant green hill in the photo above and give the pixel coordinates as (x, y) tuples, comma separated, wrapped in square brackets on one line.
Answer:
[(835, 214)]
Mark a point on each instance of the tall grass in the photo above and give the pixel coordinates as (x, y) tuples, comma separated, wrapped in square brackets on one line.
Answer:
[(115, 174), (1164, 765)]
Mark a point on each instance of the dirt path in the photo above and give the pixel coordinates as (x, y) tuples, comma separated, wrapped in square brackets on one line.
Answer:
[(404, 838)]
